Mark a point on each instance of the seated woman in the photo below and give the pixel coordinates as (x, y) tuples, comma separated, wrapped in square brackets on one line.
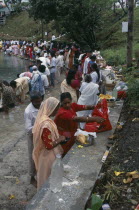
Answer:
[(89, 95), (46, 140), (67, 120), (71, 85)]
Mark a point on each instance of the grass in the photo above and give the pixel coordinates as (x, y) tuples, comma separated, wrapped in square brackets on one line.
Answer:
[(21, 26), (114, 44)]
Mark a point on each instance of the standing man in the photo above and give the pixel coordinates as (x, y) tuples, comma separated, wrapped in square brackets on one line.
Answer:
[(59, 65), (52, 68), (30, 115)]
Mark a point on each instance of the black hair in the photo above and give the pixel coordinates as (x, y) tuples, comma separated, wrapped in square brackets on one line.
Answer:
[(93, 57), (95, 67), (88, 78), (5, 83), (17, 75), (70, 76), (75, 66), (84, 55), (42, 68), (35, 95), (65, 95), (39, 61), (13, 84), (52, 54)]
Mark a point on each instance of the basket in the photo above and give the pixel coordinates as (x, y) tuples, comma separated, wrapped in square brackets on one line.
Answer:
[(110, 86)]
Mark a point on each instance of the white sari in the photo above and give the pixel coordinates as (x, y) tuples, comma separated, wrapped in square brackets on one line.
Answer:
[(88, 96)]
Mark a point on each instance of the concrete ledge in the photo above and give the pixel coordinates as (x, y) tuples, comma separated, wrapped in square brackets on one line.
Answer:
[(81, 169)]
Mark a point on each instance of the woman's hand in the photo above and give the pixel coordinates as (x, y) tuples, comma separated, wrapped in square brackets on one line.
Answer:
[(98, 119), (61, 138)]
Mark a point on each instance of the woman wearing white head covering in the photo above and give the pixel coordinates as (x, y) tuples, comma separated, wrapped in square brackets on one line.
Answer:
[(46, 140)]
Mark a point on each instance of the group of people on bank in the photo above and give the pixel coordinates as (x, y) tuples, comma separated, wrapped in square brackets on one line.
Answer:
[(51, 124)]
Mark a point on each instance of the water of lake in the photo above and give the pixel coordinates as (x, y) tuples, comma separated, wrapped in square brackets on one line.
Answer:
[(10, 66)]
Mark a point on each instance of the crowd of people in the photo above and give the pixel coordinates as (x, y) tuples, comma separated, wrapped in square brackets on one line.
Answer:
[(50, 123)]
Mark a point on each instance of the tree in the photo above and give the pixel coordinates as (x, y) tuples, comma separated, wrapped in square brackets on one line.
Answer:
[(80, 18)]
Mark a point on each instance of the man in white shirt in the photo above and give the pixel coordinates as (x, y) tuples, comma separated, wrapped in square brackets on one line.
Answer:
[(52, 69), (59, 65), (30, 115)]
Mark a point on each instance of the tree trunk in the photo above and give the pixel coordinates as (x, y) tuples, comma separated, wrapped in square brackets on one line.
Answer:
[(130, 32)]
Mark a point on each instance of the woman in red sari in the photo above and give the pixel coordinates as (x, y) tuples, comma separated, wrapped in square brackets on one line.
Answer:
[(67, 120)]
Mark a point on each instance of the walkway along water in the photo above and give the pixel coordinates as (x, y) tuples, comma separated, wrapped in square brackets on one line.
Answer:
[(15, 189)]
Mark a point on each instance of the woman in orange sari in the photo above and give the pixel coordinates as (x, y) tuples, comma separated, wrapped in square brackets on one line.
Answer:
[(67, 120), (46, 140)]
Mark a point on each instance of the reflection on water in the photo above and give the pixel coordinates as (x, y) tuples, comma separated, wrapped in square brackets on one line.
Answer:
[(10, 66)]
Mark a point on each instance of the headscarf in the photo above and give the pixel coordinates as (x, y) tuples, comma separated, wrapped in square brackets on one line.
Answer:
[(43, 120)]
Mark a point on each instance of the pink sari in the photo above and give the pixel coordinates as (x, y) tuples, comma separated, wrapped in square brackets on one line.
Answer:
[(44, 158)]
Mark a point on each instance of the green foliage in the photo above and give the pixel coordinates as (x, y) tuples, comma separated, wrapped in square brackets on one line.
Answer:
[(96, 202), (132, 79), (133, 91), (115, 57), (43, 10), (17, 8), (81, 19)]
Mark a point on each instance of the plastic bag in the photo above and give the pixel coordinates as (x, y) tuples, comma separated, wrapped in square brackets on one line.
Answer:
[(122, 94), (101, 110)]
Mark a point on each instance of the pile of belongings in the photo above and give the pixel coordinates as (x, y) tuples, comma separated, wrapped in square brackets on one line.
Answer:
[(99, 59), (122, 90)]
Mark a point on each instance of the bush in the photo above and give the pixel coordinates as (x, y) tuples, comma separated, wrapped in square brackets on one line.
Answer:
[(114, 57), (133, 92)]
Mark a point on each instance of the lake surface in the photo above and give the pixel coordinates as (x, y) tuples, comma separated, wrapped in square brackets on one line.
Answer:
[(10, 66)]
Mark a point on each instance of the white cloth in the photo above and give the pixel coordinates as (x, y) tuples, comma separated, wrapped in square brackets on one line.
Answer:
[(85, 67), (29, 117), (94, 76), (46, 63), (53, 37), (88, 96), (80, 57), (59, 61)]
